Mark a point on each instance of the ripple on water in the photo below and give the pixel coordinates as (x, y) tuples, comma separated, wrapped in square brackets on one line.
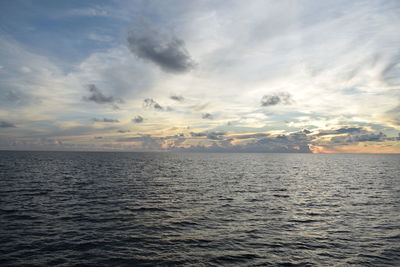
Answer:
[(165, 209)]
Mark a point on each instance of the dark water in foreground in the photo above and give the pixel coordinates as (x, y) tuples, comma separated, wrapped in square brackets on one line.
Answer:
[(134, 209)]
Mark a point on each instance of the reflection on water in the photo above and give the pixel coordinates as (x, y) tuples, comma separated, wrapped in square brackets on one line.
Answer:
[(104, 209)]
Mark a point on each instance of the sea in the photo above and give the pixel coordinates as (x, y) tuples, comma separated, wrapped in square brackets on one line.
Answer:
[(199, 209)]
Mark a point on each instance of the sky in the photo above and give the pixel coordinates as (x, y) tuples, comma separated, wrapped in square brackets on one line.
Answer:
[(205, 76)]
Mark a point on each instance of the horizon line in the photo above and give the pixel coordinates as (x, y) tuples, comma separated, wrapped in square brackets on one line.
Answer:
[(198, 152)]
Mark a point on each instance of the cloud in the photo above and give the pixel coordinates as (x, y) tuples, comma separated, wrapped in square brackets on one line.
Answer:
[(393, 115), (198, 134), (175, 143), (105, 120), (250, 136), (150, 103), (4, 124), (297, 142), (391, 70), (138, 119), (13, 96), (177, 98), (207, 116), (346, 136), (367, 137), (123, 131), (166, 51), (258, 142), (216, 135), (342, 130), (98, 97), (282, 98), (394, 138)]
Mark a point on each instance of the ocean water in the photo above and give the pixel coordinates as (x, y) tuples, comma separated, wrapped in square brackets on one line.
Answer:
[(198, 209)]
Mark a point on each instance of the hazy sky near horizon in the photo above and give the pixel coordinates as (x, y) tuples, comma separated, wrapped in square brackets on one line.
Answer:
[(234, 76)]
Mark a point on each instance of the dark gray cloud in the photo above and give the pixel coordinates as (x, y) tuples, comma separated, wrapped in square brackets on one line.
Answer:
[(250, 136), (166, 51), (297, 142), (218, 135), (123, 131), (4, 124), (258, 142), (138, 119), (350, 135), (294, 142), (98, 97), (215, 135), (281, 98), (207, 116), (150, 103), (98, 137), (105, 120), (343, 130), (394, 138), (177, 98), (198, 134), (367, 137)]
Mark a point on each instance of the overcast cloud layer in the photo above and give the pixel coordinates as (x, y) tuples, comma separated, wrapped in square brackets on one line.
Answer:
[(216, 76)]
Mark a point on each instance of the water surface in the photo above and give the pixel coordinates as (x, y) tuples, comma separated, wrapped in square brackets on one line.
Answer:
[(198, 209)]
